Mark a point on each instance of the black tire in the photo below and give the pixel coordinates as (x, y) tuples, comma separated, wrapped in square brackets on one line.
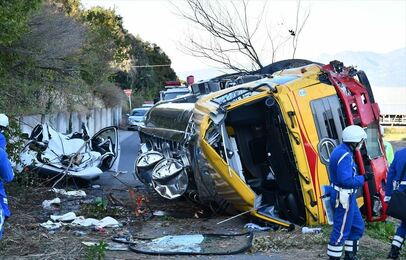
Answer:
[(284, 64), (363, 79)]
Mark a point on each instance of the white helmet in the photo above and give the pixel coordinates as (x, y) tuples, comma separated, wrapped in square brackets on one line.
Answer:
[(354, 134), (3, 120)]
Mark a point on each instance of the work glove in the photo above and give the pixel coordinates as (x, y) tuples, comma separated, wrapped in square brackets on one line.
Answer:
[(386, 198), (368, 176)]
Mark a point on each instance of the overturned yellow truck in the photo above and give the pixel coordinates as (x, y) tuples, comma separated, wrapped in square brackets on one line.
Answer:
[(264, 146)]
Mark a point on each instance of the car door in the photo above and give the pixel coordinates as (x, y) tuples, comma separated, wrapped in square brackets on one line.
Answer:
[(107, 143)]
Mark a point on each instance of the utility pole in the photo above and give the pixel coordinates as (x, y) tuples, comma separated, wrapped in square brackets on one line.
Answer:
[(128, 93)]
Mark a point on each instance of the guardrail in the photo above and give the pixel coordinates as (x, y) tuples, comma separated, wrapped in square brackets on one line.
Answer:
[(393, 120)]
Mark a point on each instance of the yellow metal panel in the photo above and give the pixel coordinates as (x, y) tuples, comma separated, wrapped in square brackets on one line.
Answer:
[(300, 94)]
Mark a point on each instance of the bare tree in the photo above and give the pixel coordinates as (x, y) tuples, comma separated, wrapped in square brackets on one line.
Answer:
[(277, 40), (230, 32), (233, 32), (298, 27)]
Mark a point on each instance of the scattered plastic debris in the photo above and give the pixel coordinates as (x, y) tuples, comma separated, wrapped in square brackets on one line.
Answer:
[(58, 221), (49, 225), (252, 226), (108, 222), (50, 204), (96, 186), (159, 213), (68, 217), (73, 193), (87, 222), (307, 230)]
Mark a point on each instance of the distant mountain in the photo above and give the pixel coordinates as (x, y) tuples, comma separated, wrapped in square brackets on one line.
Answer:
[(383, 70)]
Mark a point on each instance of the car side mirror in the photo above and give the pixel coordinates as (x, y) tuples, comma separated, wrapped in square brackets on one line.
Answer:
[(127, 114)]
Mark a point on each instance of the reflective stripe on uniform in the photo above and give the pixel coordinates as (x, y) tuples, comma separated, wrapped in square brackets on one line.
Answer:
[(397, 241), (334, 251), (342, 157), (343, 225), (349, 245), (1, 220)]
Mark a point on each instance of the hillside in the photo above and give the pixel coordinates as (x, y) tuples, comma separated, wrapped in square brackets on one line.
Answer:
[(383, 70)]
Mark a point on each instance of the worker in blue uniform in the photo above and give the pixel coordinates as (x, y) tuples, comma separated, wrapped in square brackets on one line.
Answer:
[(394, 181), (348, 225), (3, 126), (6, 173)]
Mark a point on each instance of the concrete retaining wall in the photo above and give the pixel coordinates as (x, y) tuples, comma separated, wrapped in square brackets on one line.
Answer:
[(68, 122)]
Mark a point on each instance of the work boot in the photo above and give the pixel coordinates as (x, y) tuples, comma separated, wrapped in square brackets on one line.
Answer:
[(351, 249), (394, 252), (350, 256)]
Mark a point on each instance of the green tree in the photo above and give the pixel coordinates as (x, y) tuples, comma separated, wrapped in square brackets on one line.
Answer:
[(143, 77), (14, 16)]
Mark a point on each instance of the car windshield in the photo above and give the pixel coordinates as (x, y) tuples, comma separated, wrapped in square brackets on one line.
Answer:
[(139, 112)]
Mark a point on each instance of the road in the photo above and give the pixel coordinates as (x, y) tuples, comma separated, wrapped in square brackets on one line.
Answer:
[(129, 143)]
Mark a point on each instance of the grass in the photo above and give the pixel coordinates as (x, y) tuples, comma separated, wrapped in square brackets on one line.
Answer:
[(97, 251), (395, 133), (381, 230), (100, 209)]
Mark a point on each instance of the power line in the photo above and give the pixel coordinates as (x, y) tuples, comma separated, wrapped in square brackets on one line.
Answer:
[(151, 66)]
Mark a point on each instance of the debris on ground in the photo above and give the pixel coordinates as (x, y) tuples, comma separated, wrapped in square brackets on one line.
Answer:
[(50, 226), (307, 230), (51, 204), (105, 222), (73, 193), (255, 227), (68, 217), (71, 219)]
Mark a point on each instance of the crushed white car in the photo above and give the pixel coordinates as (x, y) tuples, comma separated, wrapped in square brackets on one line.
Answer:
[(79, 155)]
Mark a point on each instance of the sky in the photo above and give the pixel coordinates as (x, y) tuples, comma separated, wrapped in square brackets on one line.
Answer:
[(333, 26)]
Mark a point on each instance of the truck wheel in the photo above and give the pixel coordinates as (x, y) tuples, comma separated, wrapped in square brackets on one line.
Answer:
[(363, 79)]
